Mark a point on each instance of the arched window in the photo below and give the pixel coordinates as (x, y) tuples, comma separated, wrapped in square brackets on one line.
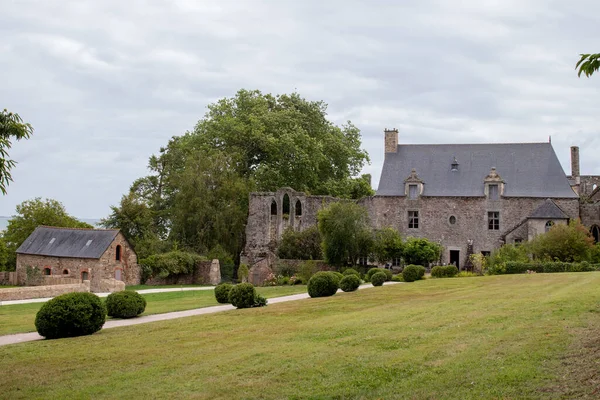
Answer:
[(65, 272), (286, 204), (595, 233), (47, 271), (118, 253), (273, 208), (298, 208), (549, 225)]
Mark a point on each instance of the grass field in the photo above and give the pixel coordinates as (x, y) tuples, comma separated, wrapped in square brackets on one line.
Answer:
[(19, 318), (511, 337)]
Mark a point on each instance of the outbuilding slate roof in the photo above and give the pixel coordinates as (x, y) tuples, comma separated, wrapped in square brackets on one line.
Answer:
[(528, 170), (548, 210), (67, 242)]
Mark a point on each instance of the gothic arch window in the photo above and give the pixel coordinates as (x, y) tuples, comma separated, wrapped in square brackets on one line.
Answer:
[(298, 208), (595, 231), (273, 208), (118, 253), (549, 225), (286, 204), (65, 272), (47, 271)]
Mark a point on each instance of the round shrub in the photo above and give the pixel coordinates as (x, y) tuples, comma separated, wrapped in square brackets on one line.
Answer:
[(242, 295), (322, 284), (388, 274), (259, 301), (371, 272), (351, 271), (338, 276), (444, 271), (413, 273), (71, 314), (125, 304), (378, 278), (350, 283), (450, 271), (437, 271), (222, 292)]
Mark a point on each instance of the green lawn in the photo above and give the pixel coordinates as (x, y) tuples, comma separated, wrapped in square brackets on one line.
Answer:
[(507, 337), (20, 318), (142, 287)]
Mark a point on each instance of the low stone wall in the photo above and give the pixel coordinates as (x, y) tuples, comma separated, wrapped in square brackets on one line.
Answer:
[(58, 280), (110, 285), (36, 292), (205, 273)]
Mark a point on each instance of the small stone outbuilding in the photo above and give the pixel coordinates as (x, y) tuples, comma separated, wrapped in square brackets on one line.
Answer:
[(97, 255)]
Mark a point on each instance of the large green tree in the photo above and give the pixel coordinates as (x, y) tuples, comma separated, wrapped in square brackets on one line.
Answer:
[(344, 227), (387, 245), (197, 191), (11, 127), (567, 243), (421, 251), (30, 215), (588, 64)]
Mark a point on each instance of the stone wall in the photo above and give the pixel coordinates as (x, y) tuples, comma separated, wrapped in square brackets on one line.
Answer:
[(37, 292), (590, 214), (205, 273), (261, 271), (106, 267), (8, 278), (588, 184)]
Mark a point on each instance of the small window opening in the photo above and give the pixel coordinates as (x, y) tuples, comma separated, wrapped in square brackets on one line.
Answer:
[(596, 233), (85, 276), (298, 208), (47, 271), (493, 192), (273, 208), (52, 241), (286, 204), (89, 242), (362, 261), (594, 186), (452, 220), (412, 192), (494, 220), (549, 225), (118, 253), (396, 262), (413, 219), (518, 241), (485, 253), (65, 272)]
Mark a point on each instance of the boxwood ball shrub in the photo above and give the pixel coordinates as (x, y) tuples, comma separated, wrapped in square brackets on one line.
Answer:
[(242, 295), (338, 276), (371, 272), (378, 278), (71, 314), (351, 271), (322, 284), (444, 271), (222, 292), (125, 304), (412, 273), (350, 283)]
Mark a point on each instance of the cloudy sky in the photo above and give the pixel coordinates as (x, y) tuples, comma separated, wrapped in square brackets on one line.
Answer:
[(106, 83)]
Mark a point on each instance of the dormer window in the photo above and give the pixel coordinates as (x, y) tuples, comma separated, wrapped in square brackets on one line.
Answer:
[(413, 186), (454, 165), (493, 191), (493, 185)]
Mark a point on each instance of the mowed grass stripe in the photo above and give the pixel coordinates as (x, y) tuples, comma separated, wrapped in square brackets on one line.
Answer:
[(20, 318), (490, 337)]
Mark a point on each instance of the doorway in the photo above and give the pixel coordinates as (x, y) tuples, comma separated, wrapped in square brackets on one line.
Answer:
[(455, 258)]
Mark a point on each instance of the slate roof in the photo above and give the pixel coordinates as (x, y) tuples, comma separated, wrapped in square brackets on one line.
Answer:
[(528, 170), (548, 210), (67, 242)]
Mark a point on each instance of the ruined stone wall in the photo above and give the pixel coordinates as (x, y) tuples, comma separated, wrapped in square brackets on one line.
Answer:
[(471, 218), (205, 273), (587, 184), (590, 214), (267, 220), (103, 268)]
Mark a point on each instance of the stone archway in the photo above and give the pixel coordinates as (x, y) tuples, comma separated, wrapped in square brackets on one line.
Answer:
[(595, 231)]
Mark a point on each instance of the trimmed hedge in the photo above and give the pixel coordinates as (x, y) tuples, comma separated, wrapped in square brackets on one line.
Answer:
[(378, 278), (242, 295), (516, 267), (125, 304), (71, 314), (222, 292), (350, 283), (444, 271), (412, 273), (388, 273), (351, 271), (322, 284), (338, 275)]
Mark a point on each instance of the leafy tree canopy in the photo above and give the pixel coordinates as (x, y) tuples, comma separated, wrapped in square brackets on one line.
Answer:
[(305, 245), (387, 245), (11, 126), (567, 243), (30, 215), (345, 232), (421, 251), (588, 64)]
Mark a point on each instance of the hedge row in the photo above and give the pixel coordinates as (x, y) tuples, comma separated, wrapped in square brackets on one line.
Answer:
[(444, 271), (516, 267)]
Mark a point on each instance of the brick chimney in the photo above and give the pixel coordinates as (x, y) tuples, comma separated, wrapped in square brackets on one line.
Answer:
[(391, 140)]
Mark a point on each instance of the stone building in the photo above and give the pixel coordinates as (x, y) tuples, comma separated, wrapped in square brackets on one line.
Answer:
[(470, 198), (97, 255)]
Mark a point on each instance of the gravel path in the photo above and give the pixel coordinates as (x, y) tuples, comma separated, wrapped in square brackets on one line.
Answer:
[(114, 323)]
